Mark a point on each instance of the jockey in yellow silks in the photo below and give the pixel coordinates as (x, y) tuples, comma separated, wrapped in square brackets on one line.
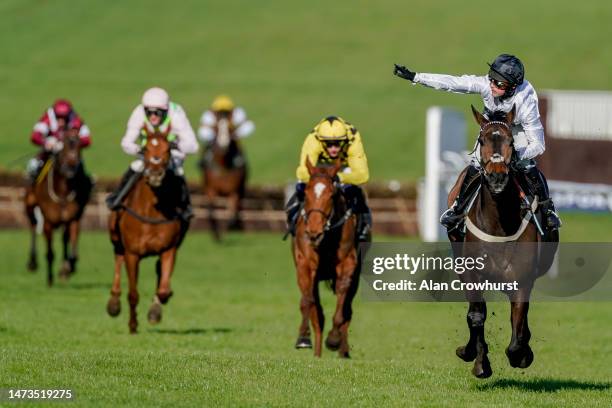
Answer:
[(334, 138)]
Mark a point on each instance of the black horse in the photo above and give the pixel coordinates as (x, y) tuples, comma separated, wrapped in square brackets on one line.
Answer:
[(501, 224)]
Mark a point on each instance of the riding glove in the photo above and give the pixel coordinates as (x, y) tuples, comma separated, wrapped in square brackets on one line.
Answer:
[(403, 72)]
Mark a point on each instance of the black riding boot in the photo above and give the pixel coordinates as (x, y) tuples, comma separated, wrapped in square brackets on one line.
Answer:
[(84, 186), (357, 202), (185, 209), (293, 207), (451, 218), (114, 199), (538, 186)]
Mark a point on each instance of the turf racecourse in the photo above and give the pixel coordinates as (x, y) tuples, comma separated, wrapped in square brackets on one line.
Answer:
[(227, 339)]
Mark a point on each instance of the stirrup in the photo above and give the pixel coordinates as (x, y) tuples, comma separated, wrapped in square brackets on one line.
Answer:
[(449, 219), (553, 221)]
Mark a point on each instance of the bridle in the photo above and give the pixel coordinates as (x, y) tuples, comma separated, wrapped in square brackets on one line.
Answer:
[(159, 174), (496, 157), (327, 216)]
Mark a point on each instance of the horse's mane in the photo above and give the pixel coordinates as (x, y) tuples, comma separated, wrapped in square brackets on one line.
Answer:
[(499, 116)]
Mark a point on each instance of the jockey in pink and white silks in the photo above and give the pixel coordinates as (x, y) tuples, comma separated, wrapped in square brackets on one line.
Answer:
[(502, 88), (156, 113)]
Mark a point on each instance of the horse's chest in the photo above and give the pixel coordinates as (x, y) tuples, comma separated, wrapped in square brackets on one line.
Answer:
[(59, 214), (147, 239)]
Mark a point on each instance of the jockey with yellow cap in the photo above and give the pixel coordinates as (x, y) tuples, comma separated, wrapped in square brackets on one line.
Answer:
[(224, 108), (334, 138), (156, 113)]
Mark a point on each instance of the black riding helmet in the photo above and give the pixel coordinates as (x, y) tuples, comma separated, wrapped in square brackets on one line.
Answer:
[(507, 68)]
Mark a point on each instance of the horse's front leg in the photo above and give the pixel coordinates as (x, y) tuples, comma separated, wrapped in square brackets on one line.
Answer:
[(131, 264), (518, 352), (48, 229), (113, 307), (476, 348), (337, 338), (164, 266), (310, 306)]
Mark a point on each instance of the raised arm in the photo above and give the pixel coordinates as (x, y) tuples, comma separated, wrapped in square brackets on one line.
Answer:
[(450, 83)]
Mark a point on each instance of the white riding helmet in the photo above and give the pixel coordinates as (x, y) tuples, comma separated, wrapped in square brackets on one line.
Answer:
[(155, 98)]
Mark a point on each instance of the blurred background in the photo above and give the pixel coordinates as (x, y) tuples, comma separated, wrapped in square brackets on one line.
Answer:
[(289, 64)]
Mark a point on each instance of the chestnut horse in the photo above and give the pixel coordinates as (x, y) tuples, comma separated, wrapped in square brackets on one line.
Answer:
[(325, 248), (61, 191), (223, 176), (500, 226), (148, 224)]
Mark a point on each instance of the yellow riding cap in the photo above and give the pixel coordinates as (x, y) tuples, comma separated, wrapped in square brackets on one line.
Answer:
[(223, 103), (332, 128), (352, 156)]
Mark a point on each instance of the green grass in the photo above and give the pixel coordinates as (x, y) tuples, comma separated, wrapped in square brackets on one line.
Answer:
[(288, 63), (227, 339)]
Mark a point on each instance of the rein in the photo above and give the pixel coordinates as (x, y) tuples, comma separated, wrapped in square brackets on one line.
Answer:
[(57, 199), (149, 220)]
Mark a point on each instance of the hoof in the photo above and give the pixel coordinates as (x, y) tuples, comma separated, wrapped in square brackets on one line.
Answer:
[(155, 313), (133, 330), (113, 307), (345, 355), (520, 358), (303, 343), (65, 271), (482, 369), (235, 225), (332, 342), (32, 265), (466, 354)]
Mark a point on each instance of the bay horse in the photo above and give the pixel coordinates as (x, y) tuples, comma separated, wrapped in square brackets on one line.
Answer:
[(499, 225), (148, 224), (325, 249), (222, 175), (61, 191)]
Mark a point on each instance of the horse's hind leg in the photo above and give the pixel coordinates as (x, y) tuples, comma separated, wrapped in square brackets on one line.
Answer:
[(131, 263), (32, 263), (477, 348), (235, 223), (518, 352), (74, 241), (64, 271), (345, 288), (212, 221), (48, 229)]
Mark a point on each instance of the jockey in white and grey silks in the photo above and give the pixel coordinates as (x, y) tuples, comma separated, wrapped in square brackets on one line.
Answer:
[(502, 88), (156, 113)]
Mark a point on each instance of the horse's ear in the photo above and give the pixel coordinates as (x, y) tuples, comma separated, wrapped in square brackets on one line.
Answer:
[(511, 114), (309, 166), (478, 116)]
